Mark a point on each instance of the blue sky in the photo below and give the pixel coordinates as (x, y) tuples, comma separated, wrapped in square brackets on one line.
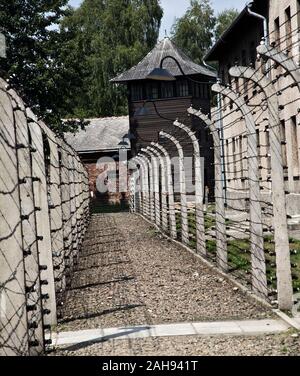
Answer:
[(176, 8)]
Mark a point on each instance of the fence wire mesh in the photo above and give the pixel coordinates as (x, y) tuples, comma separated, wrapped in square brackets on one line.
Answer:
[(244, 229), (44, 213)]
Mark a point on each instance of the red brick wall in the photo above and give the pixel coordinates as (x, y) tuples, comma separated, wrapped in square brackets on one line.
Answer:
[(100, 172)]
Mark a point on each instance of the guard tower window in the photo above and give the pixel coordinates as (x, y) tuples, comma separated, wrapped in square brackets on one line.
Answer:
[(196, 90), (204, 91), (152, 91), (136, 92), (182, 88), (167, 90)]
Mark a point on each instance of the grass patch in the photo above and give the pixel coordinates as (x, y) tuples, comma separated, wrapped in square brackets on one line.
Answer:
[(239, 256)]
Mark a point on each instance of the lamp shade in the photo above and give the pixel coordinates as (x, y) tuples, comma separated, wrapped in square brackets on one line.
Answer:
[(123, 145), (161, 74)]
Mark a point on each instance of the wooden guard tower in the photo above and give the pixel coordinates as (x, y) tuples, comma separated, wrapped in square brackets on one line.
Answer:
[(166, 101)]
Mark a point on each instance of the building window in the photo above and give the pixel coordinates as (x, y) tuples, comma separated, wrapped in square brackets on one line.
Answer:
[(152, 91), (288, 29), (253, 53), (136, 92), (258, 140), (277, 32), (258, 143), (182, 88), (268, 151), (167, 90), (227, 164), (234, 157), (295, 146), (241, 156), (236, 85), (283, 142)]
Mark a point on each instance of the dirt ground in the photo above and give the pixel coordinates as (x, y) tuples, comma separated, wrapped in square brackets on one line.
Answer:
[(129, 275)]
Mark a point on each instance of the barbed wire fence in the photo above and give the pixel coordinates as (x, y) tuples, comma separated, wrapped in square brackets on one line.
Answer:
[(244, 232), (44, 213)]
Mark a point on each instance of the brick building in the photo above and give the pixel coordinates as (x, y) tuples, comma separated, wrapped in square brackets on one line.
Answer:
[(98, 146), (283, 22)]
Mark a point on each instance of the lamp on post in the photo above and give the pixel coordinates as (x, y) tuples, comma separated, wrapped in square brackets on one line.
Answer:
[(162, 74)]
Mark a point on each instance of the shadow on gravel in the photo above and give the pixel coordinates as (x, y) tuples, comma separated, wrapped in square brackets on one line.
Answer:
[(85, 255), (125, 333), (117, 280), (102, 266), (105, 312)]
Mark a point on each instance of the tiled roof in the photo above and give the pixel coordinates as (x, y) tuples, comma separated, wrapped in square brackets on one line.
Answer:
[(103, 134), (152, 60)]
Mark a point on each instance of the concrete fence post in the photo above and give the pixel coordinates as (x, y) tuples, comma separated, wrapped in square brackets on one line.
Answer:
[(33, 168), (132, 194), (66, 210), (138, 193), (258, 262), (283, 261), (55, 208), (164, 188), (145, 177), (151, 185), (184, 211), (282, 59), (73, 208), (199, 190), (41, 197), (155, 165), (221, 241), (171, 202), (13, 315), (29, 230), (77, 202), (139, 173)]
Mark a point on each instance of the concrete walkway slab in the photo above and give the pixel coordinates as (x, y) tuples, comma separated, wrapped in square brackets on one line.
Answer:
[(239, 328)]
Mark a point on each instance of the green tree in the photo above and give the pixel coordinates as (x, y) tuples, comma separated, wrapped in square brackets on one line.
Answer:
[(224, 20), (194, 31), (33, 65), (108, 37)]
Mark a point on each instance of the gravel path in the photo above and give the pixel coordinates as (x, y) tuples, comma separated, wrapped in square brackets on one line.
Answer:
[(271, 345), (129, 275)]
